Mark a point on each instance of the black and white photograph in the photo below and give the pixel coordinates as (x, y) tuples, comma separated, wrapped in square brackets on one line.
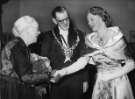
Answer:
[(67, 49)]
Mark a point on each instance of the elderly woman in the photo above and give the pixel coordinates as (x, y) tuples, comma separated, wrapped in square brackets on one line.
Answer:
[(21, 70)]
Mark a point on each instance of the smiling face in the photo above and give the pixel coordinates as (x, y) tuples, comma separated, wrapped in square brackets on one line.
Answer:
[(31, 34), (26, 28), (94, 21), (97, 16), (62, 20)]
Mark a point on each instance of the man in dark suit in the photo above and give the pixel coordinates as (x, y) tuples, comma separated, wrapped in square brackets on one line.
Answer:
[(63, 46)]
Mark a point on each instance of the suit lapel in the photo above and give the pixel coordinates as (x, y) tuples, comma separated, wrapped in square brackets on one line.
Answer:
[(72, 37), (57, 34)]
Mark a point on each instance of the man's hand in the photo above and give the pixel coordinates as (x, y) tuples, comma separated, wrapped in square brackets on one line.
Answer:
[(85, 86)]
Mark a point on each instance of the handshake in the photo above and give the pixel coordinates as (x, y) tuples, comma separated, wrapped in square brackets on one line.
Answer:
[(41, 65), (56, 75)]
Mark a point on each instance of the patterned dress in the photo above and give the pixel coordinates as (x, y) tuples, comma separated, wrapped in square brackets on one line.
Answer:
[(108, 58)]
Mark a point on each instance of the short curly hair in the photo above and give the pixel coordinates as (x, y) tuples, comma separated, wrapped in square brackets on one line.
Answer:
[(22, 24), (102, 13)]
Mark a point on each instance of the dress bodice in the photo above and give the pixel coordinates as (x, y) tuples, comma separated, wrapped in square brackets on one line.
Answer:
[(111, 54)]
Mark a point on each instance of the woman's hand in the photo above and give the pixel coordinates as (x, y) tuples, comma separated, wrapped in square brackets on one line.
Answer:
[(56, 75)]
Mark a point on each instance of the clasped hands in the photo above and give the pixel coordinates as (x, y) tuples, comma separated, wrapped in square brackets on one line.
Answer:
[(56, 75)]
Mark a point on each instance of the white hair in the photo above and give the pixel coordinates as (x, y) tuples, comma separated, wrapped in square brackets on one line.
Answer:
[(21, 25)]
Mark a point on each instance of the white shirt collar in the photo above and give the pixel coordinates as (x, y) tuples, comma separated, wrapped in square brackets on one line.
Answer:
[(62, 32)]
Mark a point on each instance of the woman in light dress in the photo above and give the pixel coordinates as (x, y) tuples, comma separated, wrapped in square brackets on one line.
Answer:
[(111, 58)]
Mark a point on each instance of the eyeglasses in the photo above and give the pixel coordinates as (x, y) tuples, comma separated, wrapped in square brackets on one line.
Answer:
[(63, 20)]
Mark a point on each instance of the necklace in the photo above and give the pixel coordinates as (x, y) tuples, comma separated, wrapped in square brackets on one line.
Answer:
[(102, 40), (68, 51)]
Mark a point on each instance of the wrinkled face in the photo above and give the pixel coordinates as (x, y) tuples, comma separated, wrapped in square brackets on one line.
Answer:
[(94, 21), (62, 20), (31, 34)]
